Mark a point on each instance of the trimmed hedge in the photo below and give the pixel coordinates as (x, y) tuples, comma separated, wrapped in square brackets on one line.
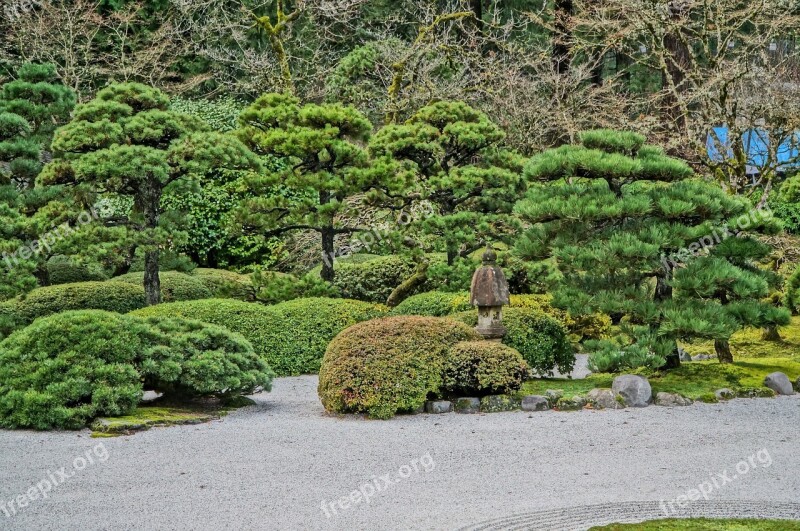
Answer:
[(541, 339), (112, 296), (225, 284), (66, 369), (434, 304), (301, 329), (62, 270), (480, 368), (175, 286), (291, 336), (389, 365)]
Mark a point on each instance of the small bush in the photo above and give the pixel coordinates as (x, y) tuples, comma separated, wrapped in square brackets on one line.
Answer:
[(389, 365), (226, 284), (63, 270), (608, 356), (373, 280), (66, 369), (541, 339), (791, 298), (175, 286), (112, 296), (272, 287), (479, 368), (434, 304), (299, 331), (197, 359)]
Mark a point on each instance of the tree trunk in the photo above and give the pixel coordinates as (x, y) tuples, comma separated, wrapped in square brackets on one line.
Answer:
[(677, 64), (562, 36), (328, 256), (407, 287), (771, 333), (149, 201), (42, 274), (723, 349)]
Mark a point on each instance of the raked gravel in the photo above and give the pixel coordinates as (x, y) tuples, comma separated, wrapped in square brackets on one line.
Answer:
[(271, 466)]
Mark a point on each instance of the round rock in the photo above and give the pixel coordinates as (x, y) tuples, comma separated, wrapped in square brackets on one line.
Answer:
[(634, 389), (779, 382)]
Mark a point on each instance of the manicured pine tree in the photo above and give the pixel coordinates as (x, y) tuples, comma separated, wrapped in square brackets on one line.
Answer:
[(451, 156), (629, 227), (321, 149), (31, 106), (128, 143)]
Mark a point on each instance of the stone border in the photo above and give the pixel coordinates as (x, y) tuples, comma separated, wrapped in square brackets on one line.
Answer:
[(582, 518)]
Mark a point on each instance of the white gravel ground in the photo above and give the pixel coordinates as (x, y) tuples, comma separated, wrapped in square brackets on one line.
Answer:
[(271, 466)]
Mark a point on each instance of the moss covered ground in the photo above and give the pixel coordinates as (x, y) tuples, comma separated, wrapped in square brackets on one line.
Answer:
[(705, 524)]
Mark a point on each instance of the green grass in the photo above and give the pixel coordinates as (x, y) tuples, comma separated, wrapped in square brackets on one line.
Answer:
[(748, 344), (694, 380), (705, 524)]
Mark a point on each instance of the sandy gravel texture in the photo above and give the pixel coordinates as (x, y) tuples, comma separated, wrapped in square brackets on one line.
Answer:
[(271, 466)]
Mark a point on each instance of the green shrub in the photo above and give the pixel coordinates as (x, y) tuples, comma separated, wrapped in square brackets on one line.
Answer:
[(175, 286), (479, 368), (541, 339), (434, 304), (66, 369), (112, 296), (300, 330), (272, 287), (373, 280), (291, 337), (226, 284), (198, 359), (63, 270), (608, 356), (389, 365), (9, 318)]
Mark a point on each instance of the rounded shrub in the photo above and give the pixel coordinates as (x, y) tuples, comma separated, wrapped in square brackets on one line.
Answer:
[(175, 286), (66, 369), (192, 359), (112, 296), (791, 297), (434, 304), (299, 331), (388, 365), (479, 368), (225, 284), (542, 340), (63, 270), (580, 328)]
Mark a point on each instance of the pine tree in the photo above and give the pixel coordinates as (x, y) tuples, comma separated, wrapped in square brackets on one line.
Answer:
[(31, 107), (321, 148), (128, 143), (635, 236), (451, 156)]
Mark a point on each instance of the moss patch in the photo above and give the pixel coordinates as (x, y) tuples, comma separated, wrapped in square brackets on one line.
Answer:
[(696, 380), (146, 417), (705, 524)]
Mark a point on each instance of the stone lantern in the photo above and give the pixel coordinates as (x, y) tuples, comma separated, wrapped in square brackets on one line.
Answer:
[(489, 292)]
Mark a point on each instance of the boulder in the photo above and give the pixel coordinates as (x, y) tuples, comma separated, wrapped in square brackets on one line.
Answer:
[(634, 389), (672, 400), (468, 405), (535, 403), (497, 403), (779, 382), (553, 395), (605, 399), (724, 394), (438, 406), (685, 356), (571, 404), (701, 357)]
